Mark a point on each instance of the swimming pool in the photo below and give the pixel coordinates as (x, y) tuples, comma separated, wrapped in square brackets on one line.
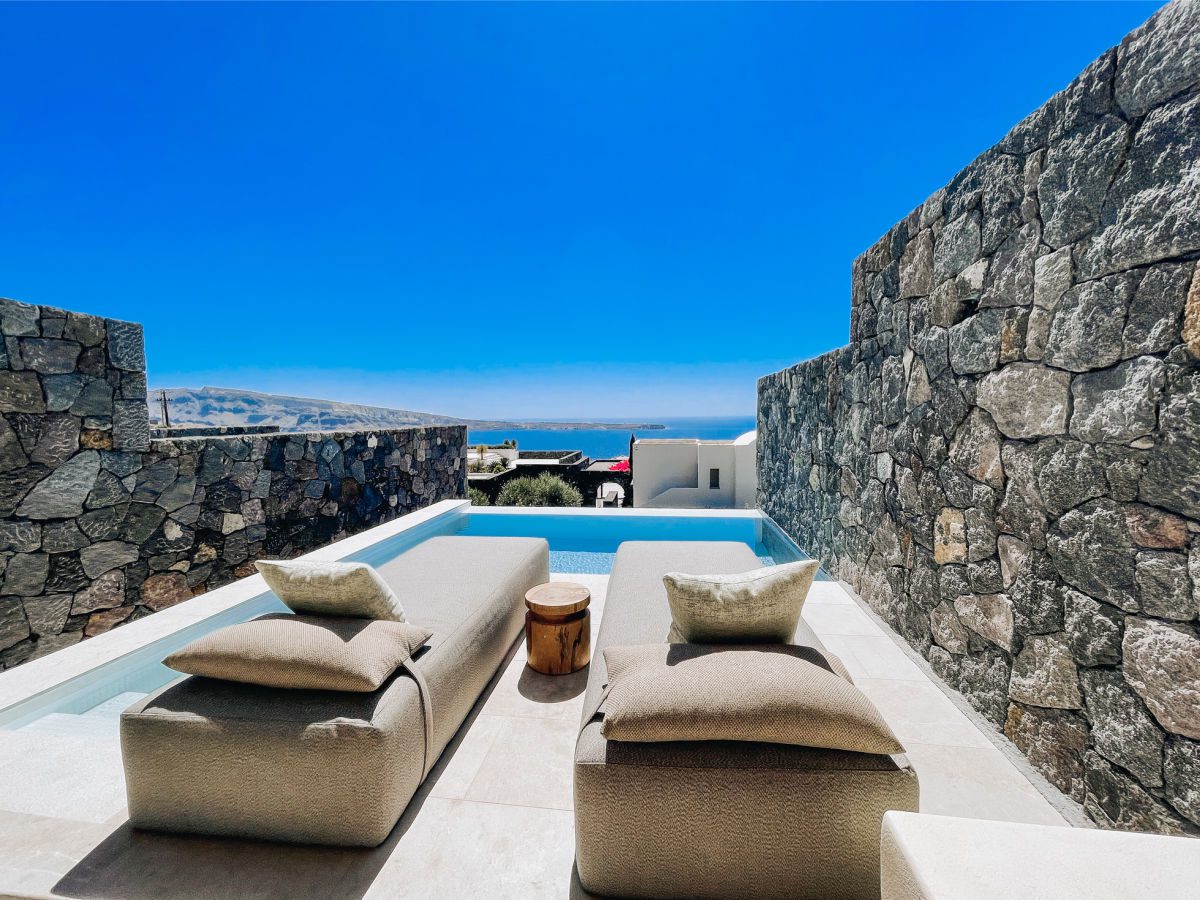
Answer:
[(582, 541)]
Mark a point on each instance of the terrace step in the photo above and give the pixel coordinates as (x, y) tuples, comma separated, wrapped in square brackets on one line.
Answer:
[(71, 725)]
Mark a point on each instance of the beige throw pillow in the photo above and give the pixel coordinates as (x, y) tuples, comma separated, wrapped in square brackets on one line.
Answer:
[(773, 693), (331, 588), (759, 606), (323, 653)]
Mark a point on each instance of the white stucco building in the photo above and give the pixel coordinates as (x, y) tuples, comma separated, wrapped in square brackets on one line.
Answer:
[(696, 474)]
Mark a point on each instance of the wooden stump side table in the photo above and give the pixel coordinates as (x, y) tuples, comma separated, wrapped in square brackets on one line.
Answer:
[(558, 632)]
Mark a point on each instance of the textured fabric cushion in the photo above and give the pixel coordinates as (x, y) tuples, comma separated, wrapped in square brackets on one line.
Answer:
[(762, 605), (636, 610), (773, 693), (331, 588), (321, 653)]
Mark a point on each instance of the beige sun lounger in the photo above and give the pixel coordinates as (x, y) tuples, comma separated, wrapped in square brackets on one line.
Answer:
[(328, 767), (719, 819)]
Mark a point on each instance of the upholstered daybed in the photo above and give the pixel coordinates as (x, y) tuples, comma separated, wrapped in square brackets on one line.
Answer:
[(719, 818), (333, 767)]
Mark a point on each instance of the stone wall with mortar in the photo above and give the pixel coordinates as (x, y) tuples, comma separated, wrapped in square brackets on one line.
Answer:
[(100, 524), (1005, 461)]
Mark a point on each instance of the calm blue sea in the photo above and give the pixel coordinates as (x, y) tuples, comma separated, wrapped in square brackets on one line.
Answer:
[(600, 443)]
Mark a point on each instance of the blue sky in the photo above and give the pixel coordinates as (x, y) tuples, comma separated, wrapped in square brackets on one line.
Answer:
[(496, 210)]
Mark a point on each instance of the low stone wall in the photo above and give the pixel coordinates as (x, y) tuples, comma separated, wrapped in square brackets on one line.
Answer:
[(1005, 462), (100, 525)]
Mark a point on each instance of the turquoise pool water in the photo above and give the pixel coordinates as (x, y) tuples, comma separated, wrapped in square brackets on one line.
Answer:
[(587, 544)]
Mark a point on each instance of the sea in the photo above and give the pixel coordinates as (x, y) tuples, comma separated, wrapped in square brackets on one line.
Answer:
[(603, 443)]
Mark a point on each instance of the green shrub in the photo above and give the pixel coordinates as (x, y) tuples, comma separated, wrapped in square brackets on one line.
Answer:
[(478, 497), (482, 465), (544, 490)]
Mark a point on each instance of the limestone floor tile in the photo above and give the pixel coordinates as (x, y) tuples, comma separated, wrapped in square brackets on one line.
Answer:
[(144, 865), (978, 784), (880, 657), (528, 764), (455, 849), (460, 762), (838, 646), (53, 775), (838, 618), (520, 691), (919, 712), (828, 592), (36, 851)]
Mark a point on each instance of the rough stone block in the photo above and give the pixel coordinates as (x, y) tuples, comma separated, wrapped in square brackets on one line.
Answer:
[(26, 573), (61, 494), (1118, 405), (21, 392), (1044, 674), (1026, 400), (1159, 60), (1079, 168), (107, 555), (1164, 587), (988, 615), (49, 356), (1152, 201), (1122, 730), (1054, 741), (1171, 477), (125, 346), (1157, 309), (1094, 630), (1091, 550), (1115, 800), (1181, 773), (1086, 330), (131, 425), (1162, 663), (950, 537)]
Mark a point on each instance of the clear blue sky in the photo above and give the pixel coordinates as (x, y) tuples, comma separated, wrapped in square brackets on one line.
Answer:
[(496, 210)]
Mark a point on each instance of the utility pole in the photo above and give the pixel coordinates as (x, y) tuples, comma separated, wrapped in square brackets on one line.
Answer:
[(165, 412)]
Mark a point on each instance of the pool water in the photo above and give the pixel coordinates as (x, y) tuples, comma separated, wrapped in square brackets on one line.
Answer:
[(587, 544)]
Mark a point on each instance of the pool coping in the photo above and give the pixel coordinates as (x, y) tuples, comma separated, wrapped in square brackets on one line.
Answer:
[(665, 512)]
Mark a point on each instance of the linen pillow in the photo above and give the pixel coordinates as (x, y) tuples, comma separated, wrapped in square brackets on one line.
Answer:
[(323, 653), (758, 606), (331, 588), (772, 693)]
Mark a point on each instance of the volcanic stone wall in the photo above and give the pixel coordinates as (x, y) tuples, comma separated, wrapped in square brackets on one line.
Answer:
[(1005, 461), (100, 524)]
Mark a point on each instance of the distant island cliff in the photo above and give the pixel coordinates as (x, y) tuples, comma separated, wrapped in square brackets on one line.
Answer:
[(231, 407)]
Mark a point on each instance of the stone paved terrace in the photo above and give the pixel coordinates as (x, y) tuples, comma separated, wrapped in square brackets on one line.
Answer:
[(494, 817)]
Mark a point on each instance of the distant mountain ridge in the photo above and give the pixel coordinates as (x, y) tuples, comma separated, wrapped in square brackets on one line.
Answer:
[(231, 406)]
